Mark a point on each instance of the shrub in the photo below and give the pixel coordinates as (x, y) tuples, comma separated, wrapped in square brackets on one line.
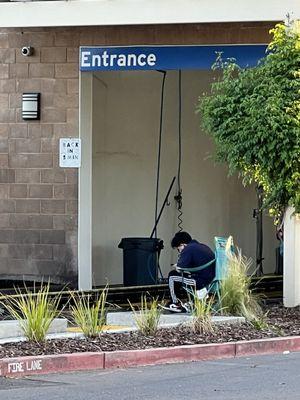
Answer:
[(35, 310), (253, 116), (148, 315), (89, 316)]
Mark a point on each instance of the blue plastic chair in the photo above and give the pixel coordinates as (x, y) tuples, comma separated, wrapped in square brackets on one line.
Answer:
[(223, 247)]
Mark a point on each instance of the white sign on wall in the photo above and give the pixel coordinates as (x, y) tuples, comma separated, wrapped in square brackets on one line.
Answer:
[(69, 152)]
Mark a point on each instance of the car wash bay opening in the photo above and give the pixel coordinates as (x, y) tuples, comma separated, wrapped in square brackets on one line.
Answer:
[(120, 112)]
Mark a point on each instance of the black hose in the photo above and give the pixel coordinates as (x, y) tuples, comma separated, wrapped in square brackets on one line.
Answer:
[(178, 196), (159, 148)]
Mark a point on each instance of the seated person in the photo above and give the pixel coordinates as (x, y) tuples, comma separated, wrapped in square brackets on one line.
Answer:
[(191, 254)]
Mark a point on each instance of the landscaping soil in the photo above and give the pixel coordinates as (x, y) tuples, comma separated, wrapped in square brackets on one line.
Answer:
[(281, 322)]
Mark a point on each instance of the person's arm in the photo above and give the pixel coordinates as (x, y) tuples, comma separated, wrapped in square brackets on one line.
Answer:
[(175, 266), (185, 258)]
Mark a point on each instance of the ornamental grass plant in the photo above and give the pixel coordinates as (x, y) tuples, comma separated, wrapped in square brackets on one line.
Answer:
[(147, 316), (201, 310), (235, 293), (89, 315), (34, 310)]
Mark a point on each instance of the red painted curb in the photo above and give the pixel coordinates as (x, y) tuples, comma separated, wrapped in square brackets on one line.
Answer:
[(267, 346), (122, 359), (23, 366)]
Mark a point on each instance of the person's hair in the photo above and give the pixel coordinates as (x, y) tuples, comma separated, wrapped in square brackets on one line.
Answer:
[(181, 238)]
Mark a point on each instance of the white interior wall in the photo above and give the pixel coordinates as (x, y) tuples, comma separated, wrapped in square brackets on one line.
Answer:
[(126, 110)]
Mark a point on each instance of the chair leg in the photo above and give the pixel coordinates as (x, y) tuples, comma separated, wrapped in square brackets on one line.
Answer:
[(215, 290)]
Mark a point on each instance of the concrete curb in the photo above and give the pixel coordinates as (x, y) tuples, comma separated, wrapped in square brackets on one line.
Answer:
[(267, 346), (25, 366), (163, 355)]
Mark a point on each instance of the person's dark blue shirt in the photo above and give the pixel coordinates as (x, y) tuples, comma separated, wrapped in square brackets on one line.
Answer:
[(196, 254)]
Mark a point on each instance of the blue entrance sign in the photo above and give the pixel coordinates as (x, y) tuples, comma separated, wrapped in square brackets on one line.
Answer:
[(165, 57)]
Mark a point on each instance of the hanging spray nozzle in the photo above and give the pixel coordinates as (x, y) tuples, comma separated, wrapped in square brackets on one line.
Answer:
[(178, 199)]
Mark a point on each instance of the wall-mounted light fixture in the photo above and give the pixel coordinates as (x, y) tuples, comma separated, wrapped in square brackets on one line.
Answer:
[(27, 51), (31, 106)]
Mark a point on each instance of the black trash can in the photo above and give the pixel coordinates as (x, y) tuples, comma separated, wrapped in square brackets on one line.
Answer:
[(140, 260)]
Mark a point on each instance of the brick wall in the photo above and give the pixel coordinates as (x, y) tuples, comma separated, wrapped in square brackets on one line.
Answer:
[(38, 200)]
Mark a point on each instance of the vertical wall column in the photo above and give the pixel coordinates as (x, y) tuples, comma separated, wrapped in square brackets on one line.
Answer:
[(85, 185), (291, 257)]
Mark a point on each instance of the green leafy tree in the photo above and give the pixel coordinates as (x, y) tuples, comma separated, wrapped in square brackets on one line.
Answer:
[(253, 115)]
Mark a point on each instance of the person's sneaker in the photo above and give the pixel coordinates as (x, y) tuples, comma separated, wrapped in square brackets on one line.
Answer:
[(176, 308), (188, 307)]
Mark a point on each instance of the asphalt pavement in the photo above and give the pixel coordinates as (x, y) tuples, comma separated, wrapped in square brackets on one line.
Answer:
[(253, 378)]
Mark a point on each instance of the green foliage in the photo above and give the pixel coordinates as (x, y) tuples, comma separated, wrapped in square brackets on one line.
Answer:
[(35, 310), (260, 323), (254, 117), (202, 314), (236, 295), (148, 315), (88, 315)]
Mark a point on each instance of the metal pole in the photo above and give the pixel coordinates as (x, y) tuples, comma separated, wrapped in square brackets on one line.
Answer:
[(162, 208)]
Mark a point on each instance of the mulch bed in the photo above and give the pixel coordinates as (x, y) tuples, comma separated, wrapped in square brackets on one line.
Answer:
[(281, 322)]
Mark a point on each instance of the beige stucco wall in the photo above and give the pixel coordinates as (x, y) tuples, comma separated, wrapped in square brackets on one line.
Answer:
[(126, 110)]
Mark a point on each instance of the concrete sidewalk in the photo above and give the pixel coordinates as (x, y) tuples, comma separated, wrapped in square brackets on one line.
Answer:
[(117, 322), (166, 320)]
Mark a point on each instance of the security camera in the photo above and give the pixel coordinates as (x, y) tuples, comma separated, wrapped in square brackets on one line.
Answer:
[(27, 51)]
